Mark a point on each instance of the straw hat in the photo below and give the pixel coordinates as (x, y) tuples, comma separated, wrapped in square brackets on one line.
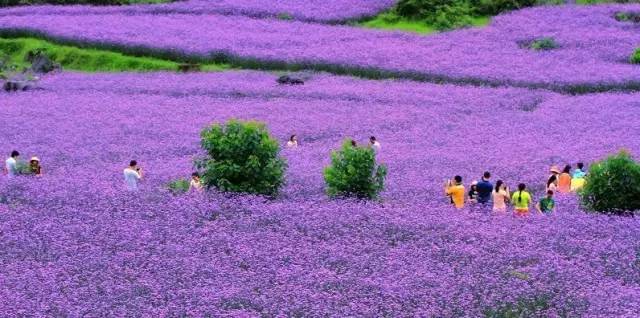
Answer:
[(34, 158), (554, 169)]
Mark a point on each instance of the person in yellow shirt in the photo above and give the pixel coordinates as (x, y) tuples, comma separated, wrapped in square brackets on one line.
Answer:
[(521, 200), (455, 190)]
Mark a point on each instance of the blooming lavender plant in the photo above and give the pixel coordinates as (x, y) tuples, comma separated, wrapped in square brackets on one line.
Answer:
[(75, 243), (593, 54)]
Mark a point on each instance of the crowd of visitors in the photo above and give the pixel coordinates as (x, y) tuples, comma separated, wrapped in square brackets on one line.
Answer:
[(485, 194)]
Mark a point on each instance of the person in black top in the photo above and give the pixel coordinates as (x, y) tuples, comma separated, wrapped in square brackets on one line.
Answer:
[(484, 188)]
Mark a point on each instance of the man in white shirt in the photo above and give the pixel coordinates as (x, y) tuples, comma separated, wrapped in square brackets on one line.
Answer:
[(11, 164), (374, 144), (132, 174)]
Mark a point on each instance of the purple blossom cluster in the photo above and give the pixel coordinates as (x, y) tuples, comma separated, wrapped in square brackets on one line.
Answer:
[(594, 47), (323, 11), (75, 243)]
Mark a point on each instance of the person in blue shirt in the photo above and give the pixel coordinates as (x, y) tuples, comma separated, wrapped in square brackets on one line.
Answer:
[(485, 187)]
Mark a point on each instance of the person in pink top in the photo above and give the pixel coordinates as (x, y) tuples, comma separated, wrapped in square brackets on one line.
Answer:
[(500, 197)]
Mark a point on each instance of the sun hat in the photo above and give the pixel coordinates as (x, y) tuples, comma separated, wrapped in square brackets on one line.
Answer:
[(554, 169), (34, 158)]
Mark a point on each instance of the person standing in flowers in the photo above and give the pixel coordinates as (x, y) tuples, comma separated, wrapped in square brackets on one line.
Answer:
[(455, 190), (553, 178), (374, 144), (485, 188), (500, 197), (195, 184), (11, 164), (34, 166), (578, 178), (552, 183), (293, 142), (547, 205), (521, 200), (564, 180), (132, 175)]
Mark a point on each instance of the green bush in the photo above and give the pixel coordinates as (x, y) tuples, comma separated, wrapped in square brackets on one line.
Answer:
[(635, 57), (543, 44), (354, 172), (447, 14), (241, 157), (613, 185), (442, 14)]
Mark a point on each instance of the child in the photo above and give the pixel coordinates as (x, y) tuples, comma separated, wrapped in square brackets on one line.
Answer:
[(34, 167), (195, 183), (473, 192), (521, 200), (547, 204)]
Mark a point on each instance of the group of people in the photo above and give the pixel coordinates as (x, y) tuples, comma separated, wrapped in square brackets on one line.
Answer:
[(13, 166), (373, 143), (498, 196)]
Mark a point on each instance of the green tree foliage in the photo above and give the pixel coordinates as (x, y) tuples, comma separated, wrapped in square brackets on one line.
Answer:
[(449, 14), (613, 185), (241, 157), (354, 172)]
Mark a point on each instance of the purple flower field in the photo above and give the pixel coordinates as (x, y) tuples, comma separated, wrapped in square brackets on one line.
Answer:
[(325, 11), (74, 243), (594, 47)]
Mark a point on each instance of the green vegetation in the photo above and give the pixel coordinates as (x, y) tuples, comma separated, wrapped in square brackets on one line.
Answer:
[(392, 21), (543, 44), (9, 3), (241, 157), (613, 185), (522, 308), (451, 14), (179, 186), (354, 172), (635, 57), (87, 60)]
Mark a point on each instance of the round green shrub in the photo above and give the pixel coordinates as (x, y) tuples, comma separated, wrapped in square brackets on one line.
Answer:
[(241, 157), (635, 57), (354, 172), (613, 185)]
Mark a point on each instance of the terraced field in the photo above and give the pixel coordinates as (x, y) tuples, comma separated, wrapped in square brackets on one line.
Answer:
[(75, 243)]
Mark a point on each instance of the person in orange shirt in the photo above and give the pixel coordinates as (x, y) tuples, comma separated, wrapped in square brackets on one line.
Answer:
[(455, 190), (564, 180)]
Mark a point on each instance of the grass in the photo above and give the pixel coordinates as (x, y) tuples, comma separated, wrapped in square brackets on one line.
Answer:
[(89, 60), (390, 21)]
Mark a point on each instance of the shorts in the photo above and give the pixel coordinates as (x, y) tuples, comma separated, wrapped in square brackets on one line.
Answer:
[(522, 212)]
